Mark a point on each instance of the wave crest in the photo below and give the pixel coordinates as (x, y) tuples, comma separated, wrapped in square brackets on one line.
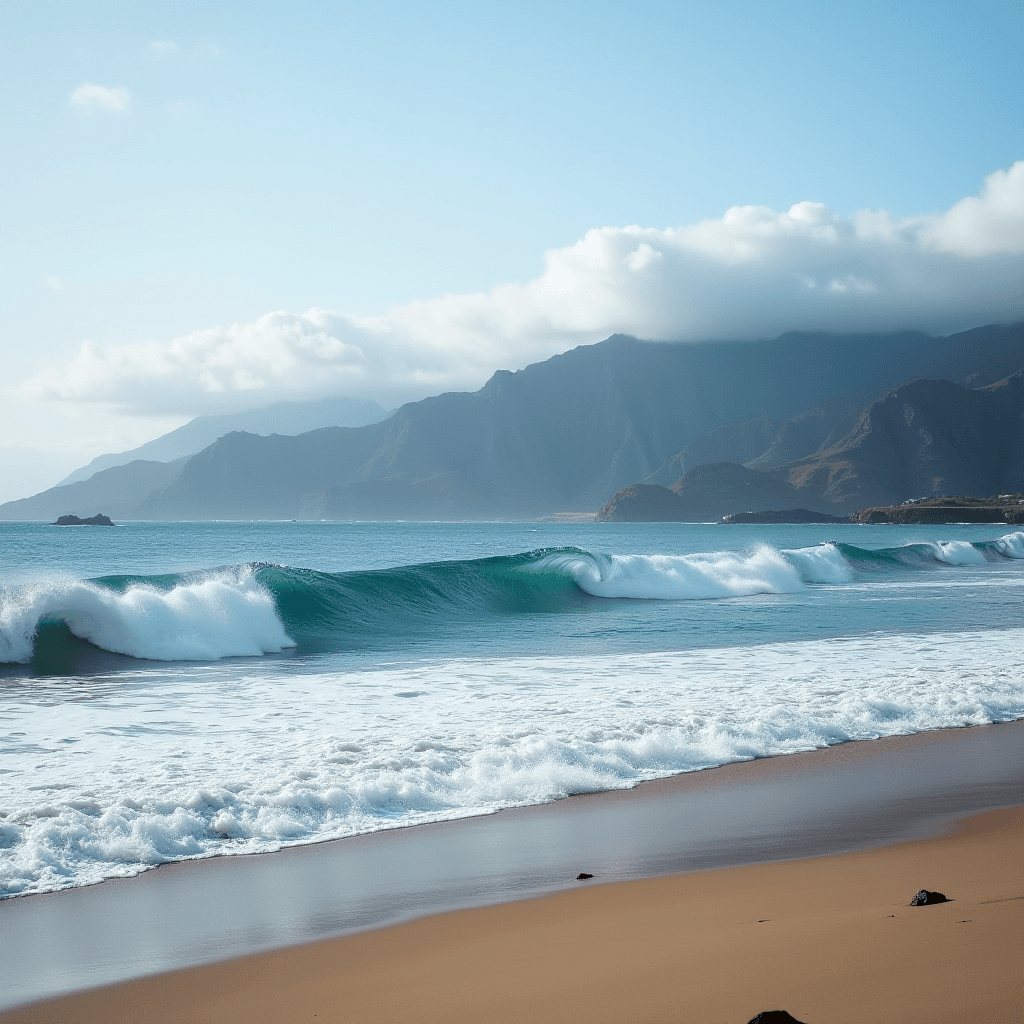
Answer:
[(256, 609), (1010, 546), (678, 577), (220, 616)]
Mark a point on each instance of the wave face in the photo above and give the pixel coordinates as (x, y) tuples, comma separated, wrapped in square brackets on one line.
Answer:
[(160, 618), (931, 553), (258, 608)]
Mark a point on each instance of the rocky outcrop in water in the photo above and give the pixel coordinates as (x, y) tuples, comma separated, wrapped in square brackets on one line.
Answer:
[(97, 520)]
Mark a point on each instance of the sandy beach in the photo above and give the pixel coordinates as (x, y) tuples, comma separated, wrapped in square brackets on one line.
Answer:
[(831, 939), (828, 937)]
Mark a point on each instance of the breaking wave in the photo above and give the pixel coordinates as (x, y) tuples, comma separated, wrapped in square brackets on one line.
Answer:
[(257, 609), (429, 742), (162, 618)]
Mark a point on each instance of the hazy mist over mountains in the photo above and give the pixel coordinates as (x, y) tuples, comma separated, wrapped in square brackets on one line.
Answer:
[(279, 418), (807, 416)]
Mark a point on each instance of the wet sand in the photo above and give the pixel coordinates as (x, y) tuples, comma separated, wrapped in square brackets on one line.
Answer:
[(642, 950), (830, 939)]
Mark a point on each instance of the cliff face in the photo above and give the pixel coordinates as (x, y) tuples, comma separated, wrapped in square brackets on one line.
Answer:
[(738, 442), (765, 443), (643, 503), (705, 493), (925, 438)]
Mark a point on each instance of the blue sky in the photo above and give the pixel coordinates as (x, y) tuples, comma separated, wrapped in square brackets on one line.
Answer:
[(241, 159)]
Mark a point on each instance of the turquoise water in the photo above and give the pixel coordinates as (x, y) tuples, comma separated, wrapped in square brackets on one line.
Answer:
[(184, 690)]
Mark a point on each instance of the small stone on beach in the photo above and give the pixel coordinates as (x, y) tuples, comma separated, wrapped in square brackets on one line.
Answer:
[(925, 898), (774, 1017), (582, 875)]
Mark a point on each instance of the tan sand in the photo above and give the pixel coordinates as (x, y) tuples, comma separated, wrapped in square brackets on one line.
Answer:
[(831, 940)]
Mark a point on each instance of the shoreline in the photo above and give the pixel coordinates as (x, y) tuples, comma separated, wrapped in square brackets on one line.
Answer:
[(749, 766), (853, 796), (752, 768), (830, 939)]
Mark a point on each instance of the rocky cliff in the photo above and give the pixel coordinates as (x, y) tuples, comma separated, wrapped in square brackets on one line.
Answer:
[(925, 438)]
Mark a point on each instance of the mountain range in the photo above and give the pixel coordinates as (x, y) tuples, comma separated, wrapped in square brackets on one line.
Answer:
[(567, 433), (279, 418), (924, 438)]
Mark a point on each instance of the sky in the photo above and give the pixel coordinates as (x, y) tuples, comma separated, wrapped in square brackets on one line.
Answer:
[(212, 206)]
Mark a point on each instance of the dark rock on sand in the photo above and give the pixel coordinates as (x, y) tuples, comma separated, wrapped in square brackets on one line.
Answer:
[(582, 875), (97, 520), (774, 1017), (926, 898)]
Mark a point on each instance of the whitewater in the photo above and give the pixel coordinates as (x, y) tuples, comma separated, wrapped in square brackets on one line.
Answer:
[(172, 691)]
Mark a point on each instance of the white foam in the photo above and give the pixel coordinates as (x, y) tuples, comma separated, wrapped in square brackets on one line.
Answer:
[(823, 563), (703, 575), (764, 570), (1011, 545), (957, 552), (228, 615), (238, 764)]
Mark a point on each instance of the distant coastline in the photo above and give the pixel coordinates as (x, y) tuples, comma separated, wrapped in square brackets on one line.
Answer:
[(646, 503), (1000, 508)]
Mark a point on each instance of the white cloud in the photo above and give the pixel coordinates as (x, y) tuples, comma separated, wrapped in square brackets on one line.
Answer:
[(752, 273), (987, 224), (91, 98), (163, 48)]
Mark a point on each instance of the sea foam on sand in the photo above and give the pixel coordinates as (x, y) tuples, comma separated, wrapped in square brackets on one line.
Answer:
[(333, 754)]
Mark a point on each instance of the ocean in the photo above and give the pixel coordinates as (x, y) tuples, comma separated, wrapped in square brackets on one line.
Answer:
[(183, 690)]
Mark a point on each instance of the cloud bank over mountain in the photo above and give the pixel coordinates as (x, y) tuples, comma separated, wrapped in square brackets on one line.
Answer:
[(752, 273)]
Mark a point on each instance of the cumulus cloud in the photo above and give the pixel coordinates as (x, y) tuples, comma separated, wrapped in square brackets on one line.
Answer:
[(989, 224), (752, 273), (92, 98)]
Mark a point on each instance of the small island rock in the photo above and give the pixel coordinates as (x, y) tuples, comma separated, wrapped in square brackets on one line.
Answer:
[(97, 520)]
